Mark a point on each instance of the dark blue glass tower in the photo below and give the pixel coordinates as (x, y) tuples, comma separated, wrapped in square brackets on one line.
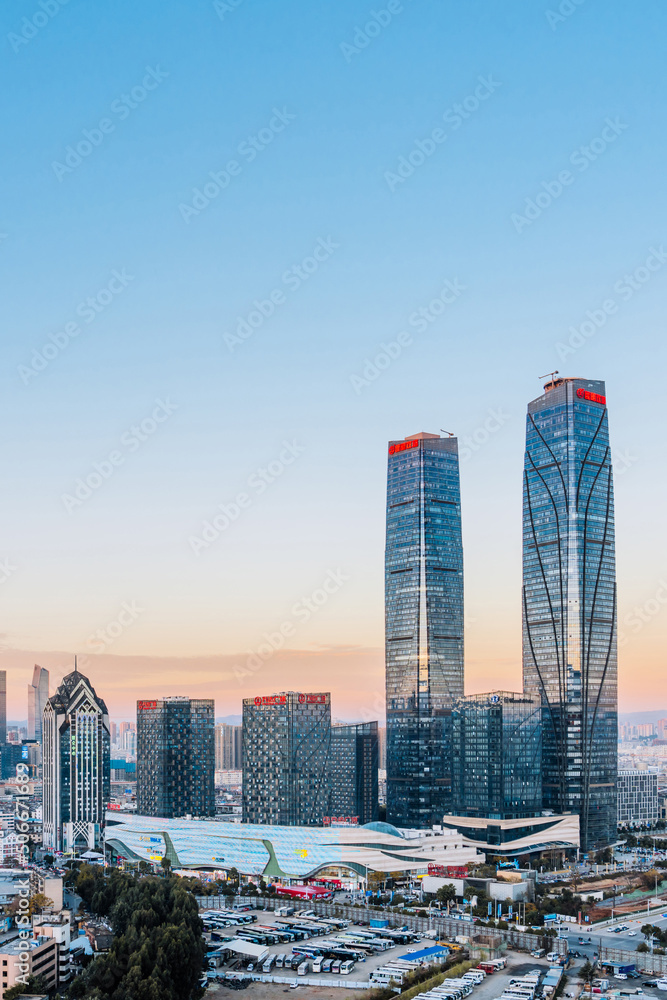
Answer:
[(569, 600), (423, 625)]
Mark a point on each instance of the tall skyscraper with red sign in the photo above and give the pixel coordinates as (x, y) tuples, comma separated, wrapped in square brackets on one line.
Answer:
[(423, 624), (569, 600), (286, 765)]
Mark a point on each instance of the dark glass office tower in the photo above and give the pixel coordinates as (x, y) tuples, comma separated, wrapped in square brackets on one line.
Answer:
[(497, 755), (286, 759), (175, 757), (354, 771), (569, 600), (423, 625)]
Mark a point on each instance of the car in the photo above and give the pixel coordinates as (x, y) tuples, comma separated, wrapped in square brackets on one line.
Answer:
[(632, 933), (620, 975)]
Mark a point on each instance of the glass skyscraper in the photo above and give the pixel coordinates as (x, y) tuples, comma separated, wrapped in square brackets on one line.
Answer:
[(497, 756), (175, 757), (423, 625), (569, 600), (354, 771), (286, 758)]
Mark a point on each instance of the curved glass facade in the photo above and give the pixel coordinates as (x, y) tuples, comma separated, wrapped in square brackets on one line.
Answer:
[(569, 600), (423, 624)]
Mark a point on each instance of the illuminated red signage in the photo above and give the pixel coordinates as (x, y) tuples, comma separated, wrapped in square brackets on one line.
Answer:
[(312, 699), (592, 397), (340, 821), (403, 446), (275, 699), (144, 706)]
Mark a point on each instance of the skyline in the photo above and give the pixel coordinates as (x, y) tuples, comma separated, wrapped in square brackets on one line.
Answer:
[(242, 337)]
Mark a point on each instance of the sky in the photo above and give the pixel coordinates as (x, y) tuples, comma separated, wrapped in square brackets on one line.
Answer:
[(216, 218)]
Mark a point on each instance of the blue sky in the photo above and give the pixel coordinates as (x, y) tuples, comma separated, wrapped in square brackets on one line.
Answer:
[(349, 119)]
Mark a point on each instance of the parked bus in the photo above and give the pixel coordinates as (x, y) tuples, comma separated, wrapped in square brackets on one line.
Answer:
[(346, 967)]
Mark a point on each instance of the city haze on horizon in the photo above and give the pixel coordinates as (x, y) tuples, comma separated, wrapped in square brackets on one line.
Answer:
[(470, 277)]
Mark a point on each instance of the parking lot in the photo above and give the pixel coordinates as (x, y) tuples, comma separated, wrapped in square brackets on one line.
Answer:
[(360, 972)]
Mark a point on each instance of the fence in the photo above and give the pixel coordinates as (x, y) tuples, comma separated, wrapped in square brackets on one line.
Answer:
[(643, 961), (447, 927)]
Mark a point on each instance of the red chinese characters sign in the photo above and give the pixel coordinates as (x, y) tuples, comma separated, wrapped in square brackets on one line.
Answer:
[(275, 699), (403, 446), (591, 397), (144, 706), (312, 699)]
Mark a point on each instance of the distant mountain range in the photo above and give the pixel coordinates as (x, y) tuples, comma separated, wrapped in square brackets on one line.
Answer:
[(636, 718)]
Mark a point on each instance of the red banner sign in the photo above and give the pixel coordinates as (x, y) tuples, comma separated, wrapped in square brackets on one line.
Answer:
[(403, 446), (591, 397)]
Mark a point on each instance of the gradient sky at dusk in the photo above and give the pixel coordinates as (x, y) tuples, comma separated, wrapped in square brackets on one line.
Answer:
[(327, 179)]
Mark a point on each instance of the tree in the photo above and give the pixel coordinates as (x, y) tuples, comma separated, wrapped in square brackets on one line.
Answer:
[(34, 984), (446, 893), (642, 946), (586, 970), (48, 860), (38, 903), (233, 876), (165, 865)]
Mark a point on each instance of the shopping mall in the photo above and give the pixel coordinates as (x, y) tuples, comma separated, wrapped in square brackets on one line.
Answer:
[(282, 852)]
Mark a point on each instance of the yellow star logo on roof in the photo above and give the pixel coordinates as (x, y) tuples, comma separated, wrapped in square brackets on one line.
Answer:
[(303, 853)]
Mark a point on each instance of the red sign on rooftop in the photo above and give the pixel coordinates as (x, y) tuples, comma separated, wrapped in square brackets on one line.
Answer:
[(591, 397), (403, 446), (274, 699), (144, 706)]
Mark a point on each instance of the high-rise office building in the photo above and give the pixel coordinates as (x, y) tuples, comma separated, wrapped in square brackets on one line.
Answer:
[(38, 695), (569, 600), (175, 757), (497, 756), (354, 771), (286, 763), (3, 706), (423, 624), (228, 747), (382, 748), (76, 766)]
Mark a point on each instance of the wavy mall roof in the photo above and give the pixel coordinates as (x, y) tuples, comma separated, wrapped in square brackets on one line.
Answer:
[(281, 851)]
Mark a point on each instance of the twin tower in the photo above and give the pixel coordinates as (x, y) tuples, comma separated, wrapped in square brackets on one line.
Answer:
[(568, 609)]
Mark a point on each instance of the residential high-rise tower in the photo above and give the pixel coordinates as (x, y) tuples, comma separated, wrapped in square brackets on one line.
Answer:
[(569, 600), (423, 624)]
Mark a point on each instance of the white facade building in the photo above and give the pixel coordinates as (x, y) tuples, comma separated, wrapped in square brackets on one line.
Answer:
[(637, 798)]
